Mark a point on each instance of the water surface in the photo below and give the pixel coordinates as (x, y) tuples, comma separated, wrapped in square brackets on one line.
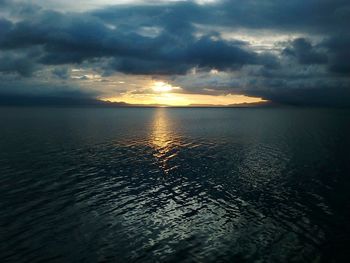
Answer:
[(174, 185)]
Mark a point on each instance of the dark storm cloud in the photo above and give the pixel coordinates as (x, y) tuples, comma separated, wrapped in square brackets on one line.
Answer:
[(297, 15), (11, 88), (53, 100), (339, 53), (76, 38), (305, 52), (201, 53), (21, 62), (173, 38), (323, 95), (21, 65), (307, 85), (334, 51)]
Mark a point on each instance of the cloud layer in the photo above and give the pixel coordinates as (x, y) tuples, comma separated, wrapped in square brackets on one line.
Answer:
[(292, 52)]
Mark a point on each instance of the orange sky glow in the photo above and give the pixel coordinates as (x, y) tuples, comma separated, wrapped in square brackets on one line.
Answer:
[(164, 94)]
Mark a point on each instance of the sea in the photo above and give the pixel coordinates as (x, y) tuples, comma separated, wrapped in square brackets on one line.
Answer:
[(85, 184)]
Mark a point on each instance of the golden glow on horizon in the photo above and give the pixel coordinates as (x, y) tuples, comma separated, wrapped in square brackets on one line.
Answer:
[(182, 99), (162, 93)]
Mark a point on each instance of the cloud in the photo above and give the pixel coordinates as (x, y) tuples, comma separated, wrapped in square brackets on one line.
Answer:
[(170, 40), (20, 63), (339, 53), (323, 95), (76, 38), (62, 73), (305, 52), (316, 16)]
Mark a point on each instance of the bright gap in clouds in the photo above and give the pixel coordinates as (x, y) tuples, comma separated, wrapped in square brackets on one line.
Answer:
[(179, 99), (160, 86), (162, 93)]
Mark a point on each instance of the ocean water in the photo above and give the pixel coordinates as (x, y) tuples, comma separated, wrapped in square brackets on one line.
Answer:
[(174, 185)]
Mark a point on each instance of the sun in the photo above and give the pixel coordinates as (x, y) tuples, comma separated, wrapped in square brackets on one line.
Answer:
[(160, 86)]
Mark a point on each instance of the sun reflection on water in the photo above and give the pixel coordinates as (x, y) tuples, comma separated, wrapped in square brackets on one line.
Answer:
[(160, 130), (164, 140)]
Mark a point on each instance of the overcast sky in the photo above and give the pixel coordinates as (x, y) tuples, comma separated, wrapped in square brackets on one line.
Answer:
[(177, 52)]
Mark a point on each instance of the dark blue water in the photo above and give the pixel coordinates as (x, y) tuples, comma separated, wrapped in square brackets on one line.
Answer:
[(174, 185)]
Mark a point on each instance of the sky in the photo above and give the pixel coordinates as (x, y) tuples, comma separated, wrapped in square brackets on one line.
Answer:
[(218, 52)]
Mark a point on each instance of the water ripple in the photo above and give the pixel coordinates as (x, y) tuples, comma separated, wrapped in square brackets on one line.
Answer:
[(164, 197)]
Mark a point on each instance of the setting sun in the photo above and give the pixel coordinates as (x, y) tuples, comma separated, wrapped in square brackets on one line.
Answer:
[(161, 86)]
